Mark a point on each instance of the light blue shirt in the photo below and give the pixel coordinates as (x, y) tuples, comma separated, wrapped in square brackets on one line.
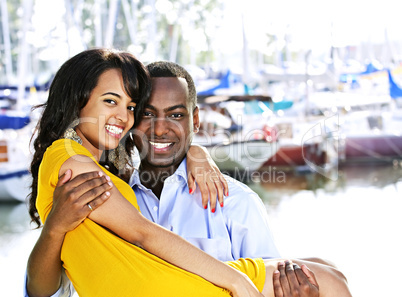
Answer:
[(239, 229)]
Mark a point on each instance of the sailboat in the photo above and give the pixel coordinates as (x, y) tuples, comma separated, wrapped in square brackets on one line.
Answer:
[(15, 133)]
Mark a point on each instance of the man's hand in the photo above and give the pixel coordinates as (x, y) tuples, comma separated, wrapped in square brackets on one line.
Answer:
[(290, 280), (73, 200)]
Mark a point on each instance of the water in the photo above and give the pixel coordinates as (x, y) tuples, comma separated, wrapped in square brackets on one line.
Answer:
[(353, 221)]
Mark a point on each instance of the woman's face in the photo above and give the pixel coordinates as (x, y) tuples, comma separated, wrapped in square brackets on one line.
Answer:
[(107, 116)]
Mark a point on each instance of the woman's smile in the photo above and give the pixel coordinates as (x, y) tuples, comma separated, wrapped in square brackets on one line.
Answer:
[(114, 130)]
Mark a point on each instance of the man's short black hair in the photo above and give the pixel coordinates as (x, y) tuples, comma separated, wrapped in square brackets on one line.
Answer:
[(171, 69)]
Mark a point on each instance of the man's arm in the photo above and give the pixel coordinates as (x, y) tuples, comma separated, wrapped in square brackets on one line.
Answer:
[(69, 209)]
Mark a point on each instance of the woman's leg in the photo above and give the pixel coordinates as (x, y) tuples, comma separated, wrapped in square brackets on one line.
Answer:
[(332, 283)]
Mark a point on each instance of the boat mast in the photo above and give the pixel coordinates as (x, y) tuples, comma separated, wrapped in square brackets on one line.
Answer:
[(129, 15), (23, 53), (7, 43), (113, 12)]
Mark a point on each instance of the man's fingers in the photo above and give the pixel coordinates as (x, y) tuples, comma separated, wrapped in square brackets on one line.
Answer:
[(292, 278), (98, 201), (277, 284), (64, 178), (95, 190), (310, 275), (284, 279), (84, 177), (91, 188)]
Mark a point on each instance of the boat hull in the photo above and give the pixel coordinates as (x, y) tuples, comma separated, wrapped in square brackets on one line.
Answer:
[(297, 155), (244, 156), (15, 187), (382, 148)]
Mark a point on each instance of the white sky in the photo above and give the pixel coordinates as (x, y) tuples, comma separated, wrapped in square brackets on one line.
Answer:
[(309, 21)]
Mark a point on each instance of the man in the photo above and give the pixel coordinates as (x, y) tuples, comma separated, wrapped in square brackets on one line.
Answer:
[(237, 228)]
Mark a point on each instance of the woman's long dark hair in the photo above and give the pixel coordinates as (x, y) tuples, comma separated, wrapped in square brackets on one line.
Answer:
[(69, 93)]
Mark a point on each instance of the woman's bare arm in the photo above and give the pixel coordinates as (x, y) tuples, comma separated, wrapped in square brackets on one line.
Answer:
[(203, 170), (133, 227), (69, 209)]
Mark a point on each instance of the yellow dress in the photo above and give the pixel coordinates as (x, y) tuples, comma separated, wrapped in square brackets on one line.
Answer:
[(101, 264)]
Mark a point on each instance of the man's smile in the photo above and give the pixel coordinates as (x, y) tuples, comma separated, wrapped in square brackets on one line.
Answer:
[(160, 145)]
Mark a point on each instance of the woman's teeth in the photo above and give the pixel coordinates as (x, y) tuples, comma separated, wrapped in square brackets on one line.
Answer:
[(159, 145), (114, 129)]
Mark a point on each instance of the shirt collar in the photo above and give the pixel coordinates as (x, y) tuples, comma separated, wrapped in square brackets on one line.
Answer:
[(180, 173)]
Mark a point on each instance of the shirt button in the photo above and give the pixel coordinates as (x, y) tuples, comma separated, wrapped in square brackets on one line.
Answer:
[(155, 208)]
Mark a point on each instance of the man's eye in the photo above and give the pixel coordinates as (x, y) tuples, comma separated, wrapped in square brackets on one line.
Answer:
[(147, 114), (176, 115)]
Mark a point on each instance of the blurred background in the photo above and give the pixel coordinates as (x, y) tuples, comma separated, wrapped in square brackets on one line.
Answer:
[(301, 100)]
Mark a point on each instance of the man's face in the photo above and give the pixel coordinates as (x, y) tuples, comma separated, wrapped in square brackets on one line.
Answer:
[(165, 131)]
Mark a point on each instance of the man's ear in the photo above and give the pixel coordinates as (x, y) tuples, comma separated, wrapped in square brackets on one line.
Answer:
[(196, 120)]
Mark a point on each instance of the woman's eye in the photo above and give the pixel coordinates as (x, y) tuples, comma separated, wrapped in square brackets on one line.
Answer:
[(110, 101), (131, 108)]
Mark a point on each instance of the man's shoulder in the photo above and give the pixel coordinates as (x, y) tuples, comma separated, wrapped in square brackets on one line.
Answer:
[(237, 186), (241, 195)]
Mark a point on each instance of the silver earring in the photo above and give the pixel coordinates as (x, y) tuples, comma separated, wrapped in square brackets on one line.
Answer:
[(70, 132), (119, 157)]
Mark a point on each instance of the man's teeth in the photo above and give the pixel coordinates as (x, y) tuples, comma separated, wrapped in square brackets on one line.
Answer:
[(114, 129), (159, 145)]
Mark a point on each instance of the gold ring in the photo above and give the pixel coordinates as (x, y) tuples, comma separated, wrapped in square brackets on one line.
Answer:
[(90, 207)]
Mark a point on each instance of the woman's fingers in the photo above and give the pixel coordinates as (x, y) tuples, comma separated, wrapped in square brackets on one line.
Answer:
[(191, 184)]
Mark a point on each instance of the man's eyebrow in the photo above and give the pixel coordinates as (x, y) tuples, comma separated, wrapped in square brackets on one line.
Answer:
[(175, 107), (170, 108)]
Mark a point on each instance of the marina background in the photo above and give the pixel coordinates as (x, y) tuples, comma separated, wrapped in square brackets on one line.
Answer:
[(354, 222), (310, 90)]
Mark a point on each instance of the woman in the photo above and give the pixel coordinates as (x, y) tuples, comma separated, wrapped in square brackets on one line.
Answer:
[(117, 252)]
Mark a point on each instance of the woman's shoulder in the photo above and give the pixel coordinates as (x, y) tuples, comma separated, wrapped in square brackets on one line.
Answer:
[(58, 153), (67, 147)]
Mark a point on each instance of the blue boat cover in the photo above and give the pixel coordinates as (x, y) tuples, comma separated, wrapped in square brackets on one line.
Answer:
[(394, 90), (13, 122)]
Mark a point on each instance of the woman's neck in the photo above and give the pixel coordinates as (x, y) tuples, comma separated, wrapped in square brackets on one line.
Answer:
[(97, 153)]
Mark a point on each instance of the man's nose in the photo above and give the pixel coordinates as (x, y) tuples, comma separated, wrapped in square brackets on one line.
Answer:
[(160, 126)]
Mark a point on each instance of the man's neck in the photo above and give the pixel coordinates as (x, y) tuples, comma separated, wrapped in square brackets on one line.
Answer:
[(154, 177)]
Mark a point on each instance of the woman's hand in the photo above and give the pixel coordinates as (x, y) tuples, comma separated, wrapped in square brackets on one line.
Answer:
[(203, 170), (72, 197), (290, 280), (244, 287)]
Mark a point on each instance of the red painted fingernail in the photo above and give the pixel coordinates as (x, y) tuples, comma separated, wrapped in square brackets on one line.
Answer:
[(205, 206), (227, 193), (221, 204), (191, 191), (213, 210)]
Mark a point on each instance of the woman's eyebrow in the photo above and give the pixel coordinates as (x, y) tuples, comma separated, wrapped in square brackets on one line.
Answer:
[(111, 93)]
